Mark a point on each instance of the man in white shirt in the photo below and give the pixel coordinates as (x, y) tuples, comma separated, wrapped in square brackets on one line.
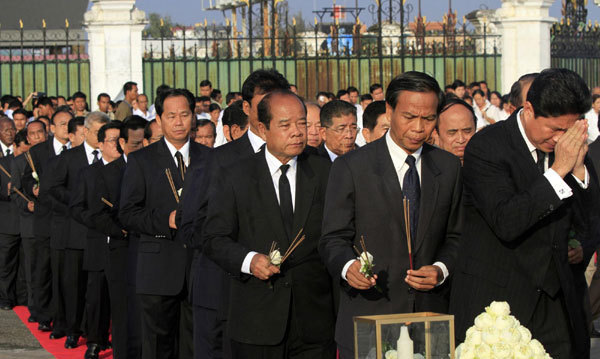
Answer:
[(592, 117), (142, 110)]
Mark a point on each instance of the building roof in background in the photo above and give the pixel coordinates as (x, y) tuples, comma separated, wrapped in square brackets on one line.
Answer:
[(33, 11)]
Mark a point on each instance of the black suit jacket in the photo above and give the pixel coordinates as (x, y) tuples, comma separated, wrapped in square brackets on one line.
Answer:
[(42, 154), (81, 204), (364, 198), (9, 212), (25, 217), (244, 215), (146, 202), (108, 186), (516, 228), (62, 186)]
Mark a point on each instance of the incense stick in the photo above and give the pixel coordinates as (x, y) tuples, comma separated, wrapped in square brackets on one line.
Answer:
[(21, 194), (172, 184), (5, 171), (295, 243), (30, 161), (406, 204), (107, 202)]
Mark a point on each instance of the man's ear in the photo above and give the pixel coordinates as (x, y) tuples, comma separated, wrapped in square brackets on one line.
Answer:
[(262, 129), (227, 133), (246, 107), (366, 134)]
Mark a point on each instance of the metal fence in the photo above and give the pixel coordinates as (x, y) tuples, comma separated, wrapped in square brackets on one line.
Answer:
[(316, 60), (43, 60)]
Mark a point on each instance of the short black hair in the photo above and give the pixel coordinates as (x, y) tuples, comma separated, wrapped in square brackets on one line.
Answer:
[(516, 89), (372, 113), (205, 83), (366, 97), (230, 96), (21, 111), (264, 106), (36, 121), (45, 101), (321, 93), (341, 93), (594, 98), (415, 82), (374, 87), (497, 94), (148, 130), (79, 94), (213, 107), (479, 92), (75, 123), (557, 91), (215, 93), (202, 99), (128, 86), (454, 101), (15, 103), (61, 109), (162, 88), (352, 89), (174, 93), (111, 125), (21, 137), (458, 83), (61, 96), (6, 99), (205, 122), (335, 108), (263, 81), (234, 115), (132, 123), (473, 84), (103, 94)]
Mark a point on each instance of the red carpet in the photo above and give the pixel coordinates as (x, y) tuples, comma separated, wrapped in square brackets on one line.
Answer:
[(56, 347)]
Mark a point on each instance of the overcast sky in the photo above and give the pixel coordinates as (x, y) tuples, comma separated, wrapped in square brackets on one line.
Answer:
[(189, 12)]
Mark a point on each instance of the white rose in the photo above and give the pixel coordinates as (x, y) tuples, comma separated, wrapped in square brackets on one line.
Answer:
[(483, 321), (522, 351), (391, 354), (491, 336), (525, 335), (498, 309), (365, 257), (467, 352), (474, 338), (35, 176), (470, 331), (275, 257), (179, 192), (537, 348), (483, 351), (458, 350), (503, 323), (502, 350), (511, 336)]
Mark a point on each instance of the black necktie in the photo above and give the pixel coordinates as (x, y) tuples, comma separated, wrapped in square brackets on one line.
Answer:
[(96, 159), (7, 152), (541, 159), (64, 148), (411, 189), (285, 200), (180, 164)]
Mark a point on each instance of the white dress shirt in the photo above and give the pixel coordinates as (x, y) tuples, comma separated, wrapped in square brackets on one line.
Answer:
[(58, 147), (332, 156), (275, 171), (5, 147), (490, 110), (184, 150), (255, 141), (399, 160), (360, 140), (593, 131), (88, 152), (559, 185), (148, 115)]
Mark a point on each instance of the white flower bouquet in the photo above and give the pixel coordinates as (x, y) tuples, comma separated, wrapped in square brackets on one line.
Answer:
[(497, 334)]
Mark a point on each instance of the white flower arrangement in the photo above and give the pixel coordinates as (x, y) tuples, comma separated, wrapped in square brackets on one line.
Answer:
[(275, 257), (497, 334)]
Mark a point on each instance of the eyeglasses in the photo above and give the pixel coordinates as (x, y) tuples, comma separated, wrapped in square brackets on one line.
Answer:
[(352, 129)]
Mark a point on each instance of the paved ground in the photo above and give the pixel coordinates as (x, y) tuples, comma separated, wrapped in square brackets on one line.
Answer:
[(16, 342)]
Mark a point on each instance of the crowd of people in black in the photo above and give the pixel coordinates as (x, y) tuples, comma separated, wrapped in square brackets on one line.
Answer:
[(165, 226)]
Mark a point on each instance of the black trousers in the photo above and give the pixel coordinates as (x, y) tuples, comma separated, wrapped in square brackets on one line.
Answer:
[(9, 266), (210, 336), (97, 308), (117, 289), (27, 245), (59, 324), (166, 327), (21, 284), (134, 307), (75, 284), (41, 278)]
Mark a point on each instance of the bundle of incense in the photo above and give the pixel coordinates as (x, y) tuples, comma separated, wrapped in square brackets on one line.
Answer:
[(172, 184), (106, 202), (406, 204), (30, 161), (21, 194), (5, 171), (364, 248), (295, 243)]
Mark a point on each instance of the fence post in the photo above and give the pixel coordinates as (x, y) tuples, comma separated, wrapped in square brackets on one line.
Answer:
[(114, 30), (525, 28)]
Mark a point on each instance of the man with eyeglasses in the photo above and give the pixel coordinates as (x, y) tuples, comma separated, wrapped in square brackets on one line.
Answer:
[(338, 129)]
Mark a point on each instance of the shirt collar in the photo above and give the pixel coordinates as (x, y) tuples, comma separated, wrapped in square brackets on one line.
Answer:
[(89, 149), (125, 158), (5, 147), (398, 154), (104, 162), (58, 146), (530, 145), (332, 156), (255, 140), (275, 164), (184, 150)]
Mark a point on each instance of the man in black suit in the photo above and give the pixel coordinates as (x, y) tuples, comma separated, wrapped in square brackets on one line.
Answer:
[(364, 199), (122, 245), (148, 206), (528, 184), (95, 254), (273, 312), (209, 285), (338, 129), (62, 186), (49, 225), (36, 133)]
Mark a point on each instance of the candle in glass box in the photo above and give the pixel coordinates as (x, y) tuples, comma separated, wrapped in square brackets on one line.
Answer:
[(404, 347)]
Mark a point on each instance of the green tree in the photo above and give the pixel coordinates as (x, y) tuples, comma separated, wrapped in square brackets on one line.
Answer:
[(154, 28)]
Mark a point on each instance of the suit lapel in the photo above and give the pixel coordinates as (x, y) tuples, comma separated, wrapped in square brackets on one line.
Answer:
[(429, 192), (167, 161), (305, 190), (523, 159)]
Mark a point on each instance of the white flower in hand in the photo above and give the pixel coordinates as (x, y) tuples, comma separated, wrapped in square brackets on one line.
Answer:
[(179, 192), (35, 176), (366, 262), (275, 257)]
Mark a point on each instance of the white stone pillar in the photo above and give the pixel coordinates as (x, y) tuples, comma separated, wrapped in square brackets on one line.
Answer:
[(114, 30), (525, 28)]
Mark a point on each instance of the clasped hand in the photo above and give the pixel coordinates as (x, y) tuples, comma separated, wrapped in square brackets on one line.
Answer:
[(262, 268), (423, 279), (570, 150)]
